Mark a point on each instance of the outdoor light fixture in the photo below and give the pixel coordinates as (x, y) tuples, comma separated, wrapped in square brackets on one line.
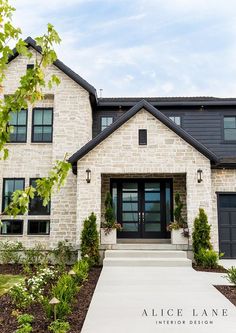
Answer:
[(88, 175), (199, 176)]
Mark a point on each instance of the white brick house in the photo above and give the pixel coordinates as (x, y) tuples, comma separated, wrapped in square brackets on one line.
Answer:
[(143, 151)]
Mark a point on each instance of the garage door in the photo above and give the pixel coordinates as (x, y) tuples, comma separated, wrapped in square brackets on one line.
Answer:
[(227, 224)]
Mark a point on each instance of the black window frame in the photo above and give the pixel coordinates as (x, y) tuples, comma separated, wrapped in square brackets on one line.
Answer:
[(17, 126), (30, 66), (38, 233), (176, 116), (142, 137), (3, 190), (13, 234), (33, 126), (223, 128), (31, 180), (101, 130)]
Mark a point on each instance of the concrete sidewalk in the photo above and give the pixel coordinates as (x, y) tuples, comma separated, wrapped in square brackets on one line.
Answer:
[(125, 297)]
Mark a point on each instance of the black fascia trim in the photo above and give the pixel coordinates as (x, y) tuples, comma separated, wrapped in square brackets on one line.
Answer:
[(170, 103), (125, 117), (60, 65)]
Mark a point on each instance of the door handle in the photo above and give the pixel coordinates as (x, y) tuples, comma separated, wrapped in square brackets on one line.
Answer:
[(139, 217), (143, 216)]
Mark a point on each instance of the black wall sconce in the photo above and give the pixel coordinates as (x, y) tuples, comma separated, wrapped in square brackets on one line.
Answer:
[(199, 176), (88, 175)]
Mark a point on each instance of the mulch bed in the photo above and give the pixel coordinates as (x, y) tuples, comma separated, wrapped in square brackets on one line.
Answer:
[(8, 323), (219, 269), (11, 269), (229, 292)]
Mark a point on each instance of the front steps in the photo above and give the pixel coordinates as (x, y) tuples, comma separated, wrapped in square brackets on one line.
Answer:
[(158, 258)]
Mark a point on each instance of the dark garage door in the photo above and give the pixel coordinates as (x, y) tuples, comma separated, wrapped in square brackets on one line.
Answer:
[(227, 224)]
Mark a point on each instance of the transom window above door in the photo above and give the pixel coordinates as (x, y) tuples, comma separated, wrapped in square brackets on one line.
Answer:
[(230, 128), (42, 125), (176, 119), (19, 123), (105, 122)]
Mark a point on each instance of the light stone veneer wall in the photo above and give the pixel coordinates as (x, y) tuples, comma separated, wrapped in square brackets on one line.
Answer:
[(165, 153), (72, 128), (222, 181)]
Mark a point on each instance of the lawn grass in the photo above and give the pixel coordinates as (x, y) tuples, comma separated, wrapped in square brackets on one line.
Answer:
[(7, 281)]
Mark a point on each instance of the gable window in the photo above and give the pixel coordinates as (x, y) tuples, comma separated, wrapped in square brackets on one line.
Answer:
[(12, 227), (176, 119), (42, 125), (36, 205), (142, 137), (105, 122), (38, 227), (10, 185), (230, 128), (19, 123)]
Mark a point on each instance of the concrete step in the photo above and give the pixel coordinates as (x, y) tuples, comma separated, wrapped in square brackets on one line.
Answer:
[(144, 254), (154, 262), (153, 246)]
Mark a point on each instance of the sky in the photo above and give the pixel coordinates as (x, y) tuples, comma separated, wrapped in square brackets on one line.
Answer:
[(142, 48)]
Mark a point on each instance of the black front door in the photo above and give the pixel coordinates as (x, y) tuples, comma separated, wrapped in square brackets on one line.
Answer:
[(227, 224), (143, 207)]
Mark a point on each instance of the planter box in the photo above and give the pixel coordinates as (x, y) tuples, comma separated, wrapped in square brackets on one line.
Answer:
[(177, 237), (108, 239)]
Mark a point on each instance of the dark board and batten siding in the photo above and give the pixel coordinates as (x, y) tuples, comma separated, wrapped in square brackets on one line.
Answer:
[(204, 125)]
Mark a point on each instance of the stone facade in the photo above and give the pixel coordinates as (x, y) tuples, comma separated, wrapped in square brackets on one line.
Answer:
[(72, 128), (120, 154), (166, 155)]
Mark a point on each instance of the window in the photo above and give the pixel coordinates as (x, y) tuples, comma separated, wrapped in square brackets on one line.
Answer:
[(230, 128), (19, 123), (38, 227), (142, 137), (10, 185), (176, 119), (30, 66), (36, 205), (42, 125), (12, 227), (105, 122)]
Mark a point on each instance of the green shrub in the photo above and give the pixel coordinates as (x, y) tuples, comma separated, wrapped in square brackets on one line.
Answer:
[(63, 254), (90, 240), (35, 257), (231, 275), (11, 252), (58, 326), (208, 258), (25, 321), (201, 234), (81, 269), (64, 291)]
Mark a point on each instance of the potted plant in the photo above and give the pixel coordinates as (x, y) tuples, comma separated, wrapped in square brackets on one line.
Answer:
[(109, 226), (179, 228)]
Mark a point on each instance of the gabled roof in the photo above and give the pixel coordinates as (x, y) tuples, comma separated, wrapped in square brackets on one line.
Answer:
[(125, 117), (60, 65)]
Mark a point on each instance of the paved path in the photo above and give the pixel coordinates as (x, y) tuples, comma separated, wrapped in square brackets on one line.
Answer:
[(124, 295)]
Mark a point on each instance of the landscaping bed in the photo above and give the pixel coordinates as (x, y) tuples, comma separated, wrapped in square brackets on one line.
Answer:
[(12, 269), (229, 292), (8, 321), (219, 269)]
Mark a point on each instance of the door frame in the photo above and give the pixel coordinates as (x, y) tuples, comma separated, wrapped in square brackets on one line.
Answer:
[(139, 234)]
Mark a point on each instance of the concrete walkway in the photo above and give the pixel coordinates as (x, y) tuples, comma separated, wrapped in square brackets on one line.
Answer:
[(125, 297)]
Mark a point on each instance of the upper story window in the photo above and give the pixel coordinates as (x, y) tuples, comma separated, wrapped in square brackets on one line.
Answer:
[(36, 205), (10, 185), (19, 123), (176, 119), (142, 133), (230, 128), (105, 122), (42, 125)]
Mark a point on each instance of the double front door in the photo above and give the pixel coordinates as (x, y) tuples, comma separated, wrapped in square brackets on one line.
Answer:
[(143, 207)]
